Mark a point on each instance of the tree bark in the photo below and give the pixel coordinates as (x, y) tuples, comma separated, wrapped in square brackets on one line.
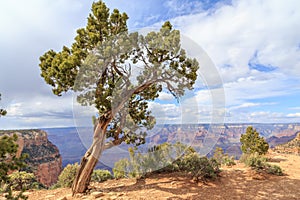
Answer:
[(90, 159)]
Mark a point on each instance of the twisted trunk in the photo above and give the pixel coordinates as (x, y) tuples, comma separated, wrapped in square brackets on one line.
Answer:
[(90, 159)]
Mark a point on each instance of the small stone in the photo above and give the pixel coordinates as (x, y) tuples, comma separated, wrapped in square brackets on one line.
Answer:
[(26, 193), (97, 194), (78, 195), (49, 196), (114, 197)]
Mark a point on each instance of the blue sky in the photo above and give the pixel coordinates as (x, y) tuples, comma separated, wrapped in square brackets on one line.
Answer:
[(254, 47)]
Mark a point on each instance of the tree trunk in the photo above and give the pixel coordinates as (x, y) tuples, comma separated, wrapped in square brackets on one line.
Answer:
[(89, 160)]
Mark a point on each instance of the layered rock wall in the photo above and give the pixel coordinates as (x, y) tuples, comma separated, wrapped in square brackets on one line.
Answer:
[(44, 158)]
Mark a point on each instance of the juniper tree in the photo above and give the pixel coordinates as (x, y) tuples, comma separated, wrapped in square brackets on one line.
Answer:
[(251, 142), (118, 73), (9, 161)]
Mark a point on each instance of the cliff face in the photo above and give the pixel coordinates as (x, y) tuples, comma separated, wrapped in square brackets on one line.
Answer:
[(291, 147), (44, 158)]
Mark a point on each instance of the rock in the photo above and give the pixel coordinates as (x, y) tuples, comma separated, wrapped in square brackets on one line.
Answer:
[(97, 194), (49, 196), (78, 195), (26, 193), (62, 198), (44, 157)]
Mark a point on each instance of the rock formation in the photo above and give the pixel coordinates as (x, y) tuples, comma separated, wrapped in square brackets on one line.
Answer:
[(291, 147), (44, 158)]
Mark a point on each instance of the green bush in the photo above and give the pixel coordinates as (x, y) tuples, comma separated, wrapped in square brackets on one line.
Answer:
[(222, 158), (259, 163), (121, 168), (255, 161), (228, 161), (274, 169), (158, 158), (23, 181), (201, 168), (67, 176), (101, 175)]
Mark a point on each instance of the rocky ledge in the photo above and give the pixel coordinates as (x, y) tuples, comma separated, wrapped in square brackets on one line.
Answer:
[(44, 158)]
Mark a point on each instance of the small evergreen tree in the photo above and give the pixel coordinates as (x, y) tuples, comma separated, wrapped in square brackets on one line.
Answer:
[(223, 158), (9, 162), (2, 111), (251, 142)]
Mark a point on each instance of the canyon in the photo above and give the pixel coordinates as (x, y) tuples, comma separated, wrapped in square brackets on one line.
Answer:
[(44, 159), (51, 149)]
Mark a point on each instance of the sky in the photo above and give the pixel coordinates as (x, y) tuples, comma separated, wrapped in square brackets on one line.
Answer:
[(249, 55)]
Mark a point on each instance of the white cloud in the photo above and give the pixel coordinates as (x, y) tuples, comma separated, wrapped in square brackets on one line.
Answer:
[(232, 34), (164, 96), (294, 115), (40, 111), (295, 108)]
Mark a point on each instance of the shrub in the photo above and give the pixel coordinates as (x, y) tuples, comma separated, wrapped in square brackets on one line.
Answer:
[(274, 169), (158, 158), (10, 162), (228, 161), (255, 161), (201, 168), (259, 163), (121, 168), (67, 176), (101, 175), (23, 181), (222, 158)]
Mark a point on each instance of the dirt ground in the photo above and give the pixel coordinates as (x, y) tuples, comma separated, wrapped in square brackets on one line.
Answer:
[(237, 182)]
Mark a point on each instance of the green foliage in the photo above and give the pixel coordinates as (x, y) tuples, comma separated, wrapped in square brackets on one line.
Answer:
[(11, 196), (23, 181), (222, 158), (253, 143), (67, 176), (10, 162), (101, 175), (121, 168), (255, 161), (8, 158), (160, 158), (259, 163), (201, 168), (274, 169), (101, 62)]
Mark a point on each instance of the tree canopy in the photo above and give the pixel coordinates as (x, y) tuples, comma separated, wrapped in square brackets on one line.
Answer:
[(253, 143), (101, 63)]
